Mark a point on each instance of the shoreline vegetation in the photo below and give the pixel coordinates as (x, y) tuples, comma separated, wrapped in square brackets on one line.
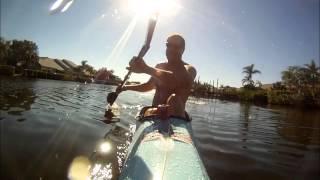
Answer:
[(300, 85), (10, 71), (19, 58)]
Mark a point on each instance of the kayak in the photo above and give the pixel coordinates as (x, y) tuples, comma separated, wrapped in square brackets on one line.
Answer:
[(158, 154)]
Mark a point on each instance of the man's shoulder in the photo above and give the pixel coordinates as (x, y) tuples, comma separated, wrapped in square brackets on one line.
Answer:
[(191, 69)]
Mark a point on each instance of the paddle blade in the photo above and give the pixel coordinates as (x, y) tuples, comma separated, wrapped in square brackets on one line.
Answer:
[(112, 114), (150, 31), (110, 117), (111, 98)]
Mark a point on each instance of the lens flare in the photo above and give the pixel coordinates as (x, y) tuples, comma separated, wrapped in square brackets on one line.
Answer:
[(56, 5), (66, 7), (60, 6), (148, 7), (118, 49), (105, 147), (79, 168)]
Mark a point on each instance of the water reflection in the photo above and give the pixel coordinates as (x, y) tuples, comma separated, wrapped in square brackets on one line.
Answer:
[(59, 123), (294, 127), (108, 158), (16, 101), (79, 168), (245, 116)]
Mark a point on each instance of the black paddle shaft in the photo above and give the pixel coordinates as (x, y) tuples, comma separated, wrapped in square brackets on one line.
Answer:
[(111, 98)]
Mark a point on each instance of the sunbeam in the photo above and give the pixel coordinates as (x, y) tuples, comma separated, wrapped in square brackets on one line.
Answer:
[(117, 50)]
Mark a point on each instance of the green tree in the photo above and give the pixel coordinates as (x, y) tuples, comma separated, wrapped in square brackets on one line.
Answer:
[(85, 68), (4, 50), (293, 77), (81, 68), (91, 70), (249, 71), (258, 84), (278, 86), (84, 63), (311, 74), (24, 54)]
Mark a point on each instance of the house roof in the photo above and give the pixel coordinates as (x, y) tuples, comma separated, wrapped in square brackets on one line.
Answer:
[(57, 64), (49, 63), (266, 86), (69, 63), (63, 65)]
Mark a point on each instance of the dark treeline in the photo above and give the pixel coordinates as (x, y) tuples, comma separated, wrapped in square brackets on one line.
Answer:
[(20, 54)]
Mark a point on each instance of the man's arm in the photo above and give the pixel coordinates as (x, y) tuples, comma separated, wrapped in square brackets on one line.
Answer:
[(148, 86), (159, 75), (167, 77)]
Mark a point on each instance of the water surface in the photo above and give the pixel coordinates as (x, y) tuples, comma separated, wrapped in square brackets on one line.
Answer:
[(46, 124)]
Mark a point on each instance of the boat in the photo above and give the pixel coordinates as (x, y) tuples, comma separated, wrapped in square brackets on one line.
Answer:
[(163, 149)]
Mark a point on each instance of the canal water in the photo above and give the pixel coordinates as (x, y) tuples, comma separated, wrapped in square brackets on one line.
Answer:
[(51, 129)]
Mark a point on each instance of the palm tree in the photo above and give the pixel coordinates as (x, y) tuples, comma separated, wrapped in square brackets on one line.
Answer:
[(312, 74), (91, 70), (84, 67), (249, 71), (289, 77), (84, 63)]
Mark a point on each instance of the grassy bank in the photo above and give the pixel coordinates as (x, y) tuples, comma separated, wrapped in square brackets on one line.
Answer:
[(264, 97)]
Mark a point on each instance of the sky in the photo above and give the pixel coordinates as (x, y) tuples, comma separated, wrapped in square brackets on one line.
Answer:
[(222, 36)]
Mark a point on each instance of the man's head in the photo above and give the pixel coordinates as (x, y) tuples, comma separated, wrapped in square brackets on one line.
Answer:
[(175, 47)]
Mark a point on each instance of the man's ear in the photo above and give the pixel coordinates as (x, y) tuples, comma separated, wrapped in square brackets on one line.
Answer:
[(182, 51)]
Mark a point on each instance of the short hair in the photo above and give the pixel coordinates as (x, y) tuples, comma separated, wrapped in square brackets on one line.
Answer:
[(176, 35)]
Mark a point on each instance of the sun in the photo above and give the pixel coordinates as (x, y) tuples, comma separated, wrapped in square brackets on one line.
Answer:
[(150, 7)]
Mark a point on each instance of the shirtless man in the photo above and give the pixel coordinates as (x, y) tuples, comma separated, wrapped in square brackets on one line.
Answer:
[(172, 79)]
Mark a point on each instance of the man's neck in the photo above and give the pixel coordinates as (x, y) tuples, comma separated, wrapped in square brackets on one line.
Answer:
[(175, 62)]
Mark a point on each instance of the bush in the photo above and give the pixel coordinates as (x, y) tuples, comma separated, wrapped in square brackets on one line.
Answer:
[(7, 70), (246, 94), (68, 77), (281, 98), (260, 97), (251, 95)]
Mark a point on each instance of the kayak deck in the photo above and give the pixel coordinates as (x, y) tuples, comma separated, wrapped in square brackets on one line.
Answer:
[(153, 155)]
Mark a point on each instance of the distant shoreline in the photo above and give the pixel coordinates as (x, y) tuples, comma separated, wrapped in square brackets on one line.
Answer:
[(9, 71), (263, 97)]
